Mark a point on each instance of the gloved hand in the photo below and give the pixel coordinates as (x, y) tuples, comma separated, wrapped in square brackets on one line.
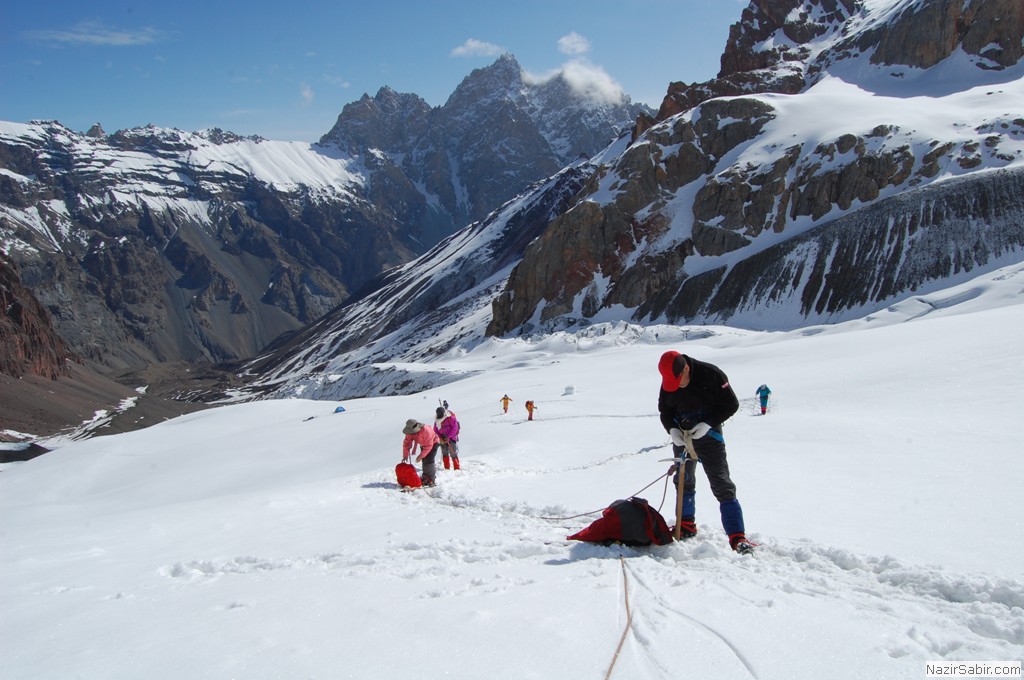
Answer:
[(677, 436), (699, 430)]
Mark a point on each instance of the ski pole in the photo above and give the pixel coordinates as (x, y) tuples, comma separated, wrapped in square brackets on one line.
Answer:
[(680, 473)]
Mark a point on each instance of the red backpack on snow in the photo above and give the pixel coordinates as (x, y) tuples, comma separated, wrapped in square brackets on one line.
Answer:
[(408, 478), (631, 522)]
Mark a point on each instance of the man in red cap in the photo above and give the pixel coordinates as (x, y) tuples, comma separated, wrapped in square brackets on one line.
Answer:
[(695, 399)]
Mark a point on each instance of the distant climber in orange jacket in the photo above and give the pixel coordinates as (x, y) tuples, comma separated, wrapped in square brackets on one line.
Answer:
[(505, 401)]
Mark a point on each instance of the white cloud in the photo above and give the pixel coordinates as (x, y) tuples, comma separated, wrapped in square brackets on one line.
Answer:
[(477, 48), (307, 94), (574, 43), (585, 79), (96, 33)]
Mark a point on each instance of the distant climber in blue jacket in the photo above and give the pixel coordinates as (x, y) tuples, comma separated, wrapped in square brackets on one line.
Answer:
[(763, 391)]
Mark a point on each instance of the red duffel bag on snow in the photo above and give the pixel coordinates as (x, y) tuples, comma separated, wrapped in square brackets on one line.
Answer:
[(631, 522), (408, 478)]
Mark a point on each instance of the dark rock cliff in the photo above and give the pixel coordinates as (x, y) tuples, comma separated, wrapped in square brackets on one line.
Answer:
[(916, 241), (29, 344)]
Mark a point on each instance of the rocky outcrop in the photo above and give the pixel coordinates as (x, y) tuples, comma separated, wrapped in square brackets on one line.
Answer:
[(592, 241), (784, 46), (767, 51), (560, 266), (923, 36), (598, 256), (28, 342), (915, 241)]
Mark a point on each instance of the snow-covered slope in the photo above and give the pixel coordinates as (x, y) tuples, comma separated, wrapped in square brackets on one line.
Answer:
[(253, 541), (438, 303)]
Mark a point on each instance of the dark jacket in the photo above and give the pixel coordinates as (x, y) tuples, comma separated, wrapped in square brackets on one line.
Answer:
[(708, 398)]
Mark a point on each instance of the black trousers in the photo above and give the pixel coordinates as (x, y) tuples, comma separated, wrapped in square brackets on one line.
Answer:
[(711, 450), (430, 465)]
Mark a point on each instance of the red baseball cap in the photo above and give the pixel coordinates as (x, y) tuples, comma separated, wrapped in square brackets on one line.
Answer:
[(666, 366)]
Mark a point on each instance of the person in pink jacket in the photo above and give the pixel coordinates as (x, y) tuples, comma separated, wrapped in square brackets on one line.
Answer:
[(446, 425), (423, 439)]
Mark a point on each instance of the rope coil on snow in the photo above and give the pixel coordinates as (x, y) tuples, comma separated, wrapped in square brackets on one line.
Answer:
[(629, 617)]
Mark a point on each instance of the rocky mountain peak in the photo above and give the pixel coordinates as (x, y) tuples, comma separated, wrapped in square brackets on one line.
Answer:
[(502, 80), (495, 135), (388, 120)]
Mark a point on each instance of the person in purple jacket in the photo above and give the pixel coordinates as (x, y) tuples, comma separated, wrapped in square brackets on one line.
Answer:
[(446, 425)]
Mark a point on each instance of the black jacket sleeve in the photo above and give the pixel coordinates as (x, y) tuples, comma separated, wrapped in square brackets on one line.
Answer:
[(665, 411)]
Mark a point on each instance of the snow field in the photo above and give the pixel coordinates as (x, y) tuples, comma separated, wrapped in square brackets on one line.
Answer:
[(247, 541)]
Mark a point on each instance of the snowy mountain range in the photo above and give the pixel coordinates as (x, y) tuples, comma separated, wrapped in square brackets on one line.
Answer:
[(152, 245), (886, 173)]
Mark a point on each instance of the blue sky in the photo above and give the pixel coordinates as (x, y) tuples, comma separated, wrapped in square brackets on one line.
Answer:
[(286, 70)]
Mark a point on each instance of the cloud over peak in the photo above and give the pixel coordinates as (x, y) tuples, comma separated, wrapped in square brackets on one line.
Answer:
[(585, 79), (477, 48)]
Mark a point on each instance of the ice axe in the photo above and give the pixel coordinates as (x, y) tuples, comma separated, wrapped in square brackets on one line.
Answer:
[(691, 454)]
